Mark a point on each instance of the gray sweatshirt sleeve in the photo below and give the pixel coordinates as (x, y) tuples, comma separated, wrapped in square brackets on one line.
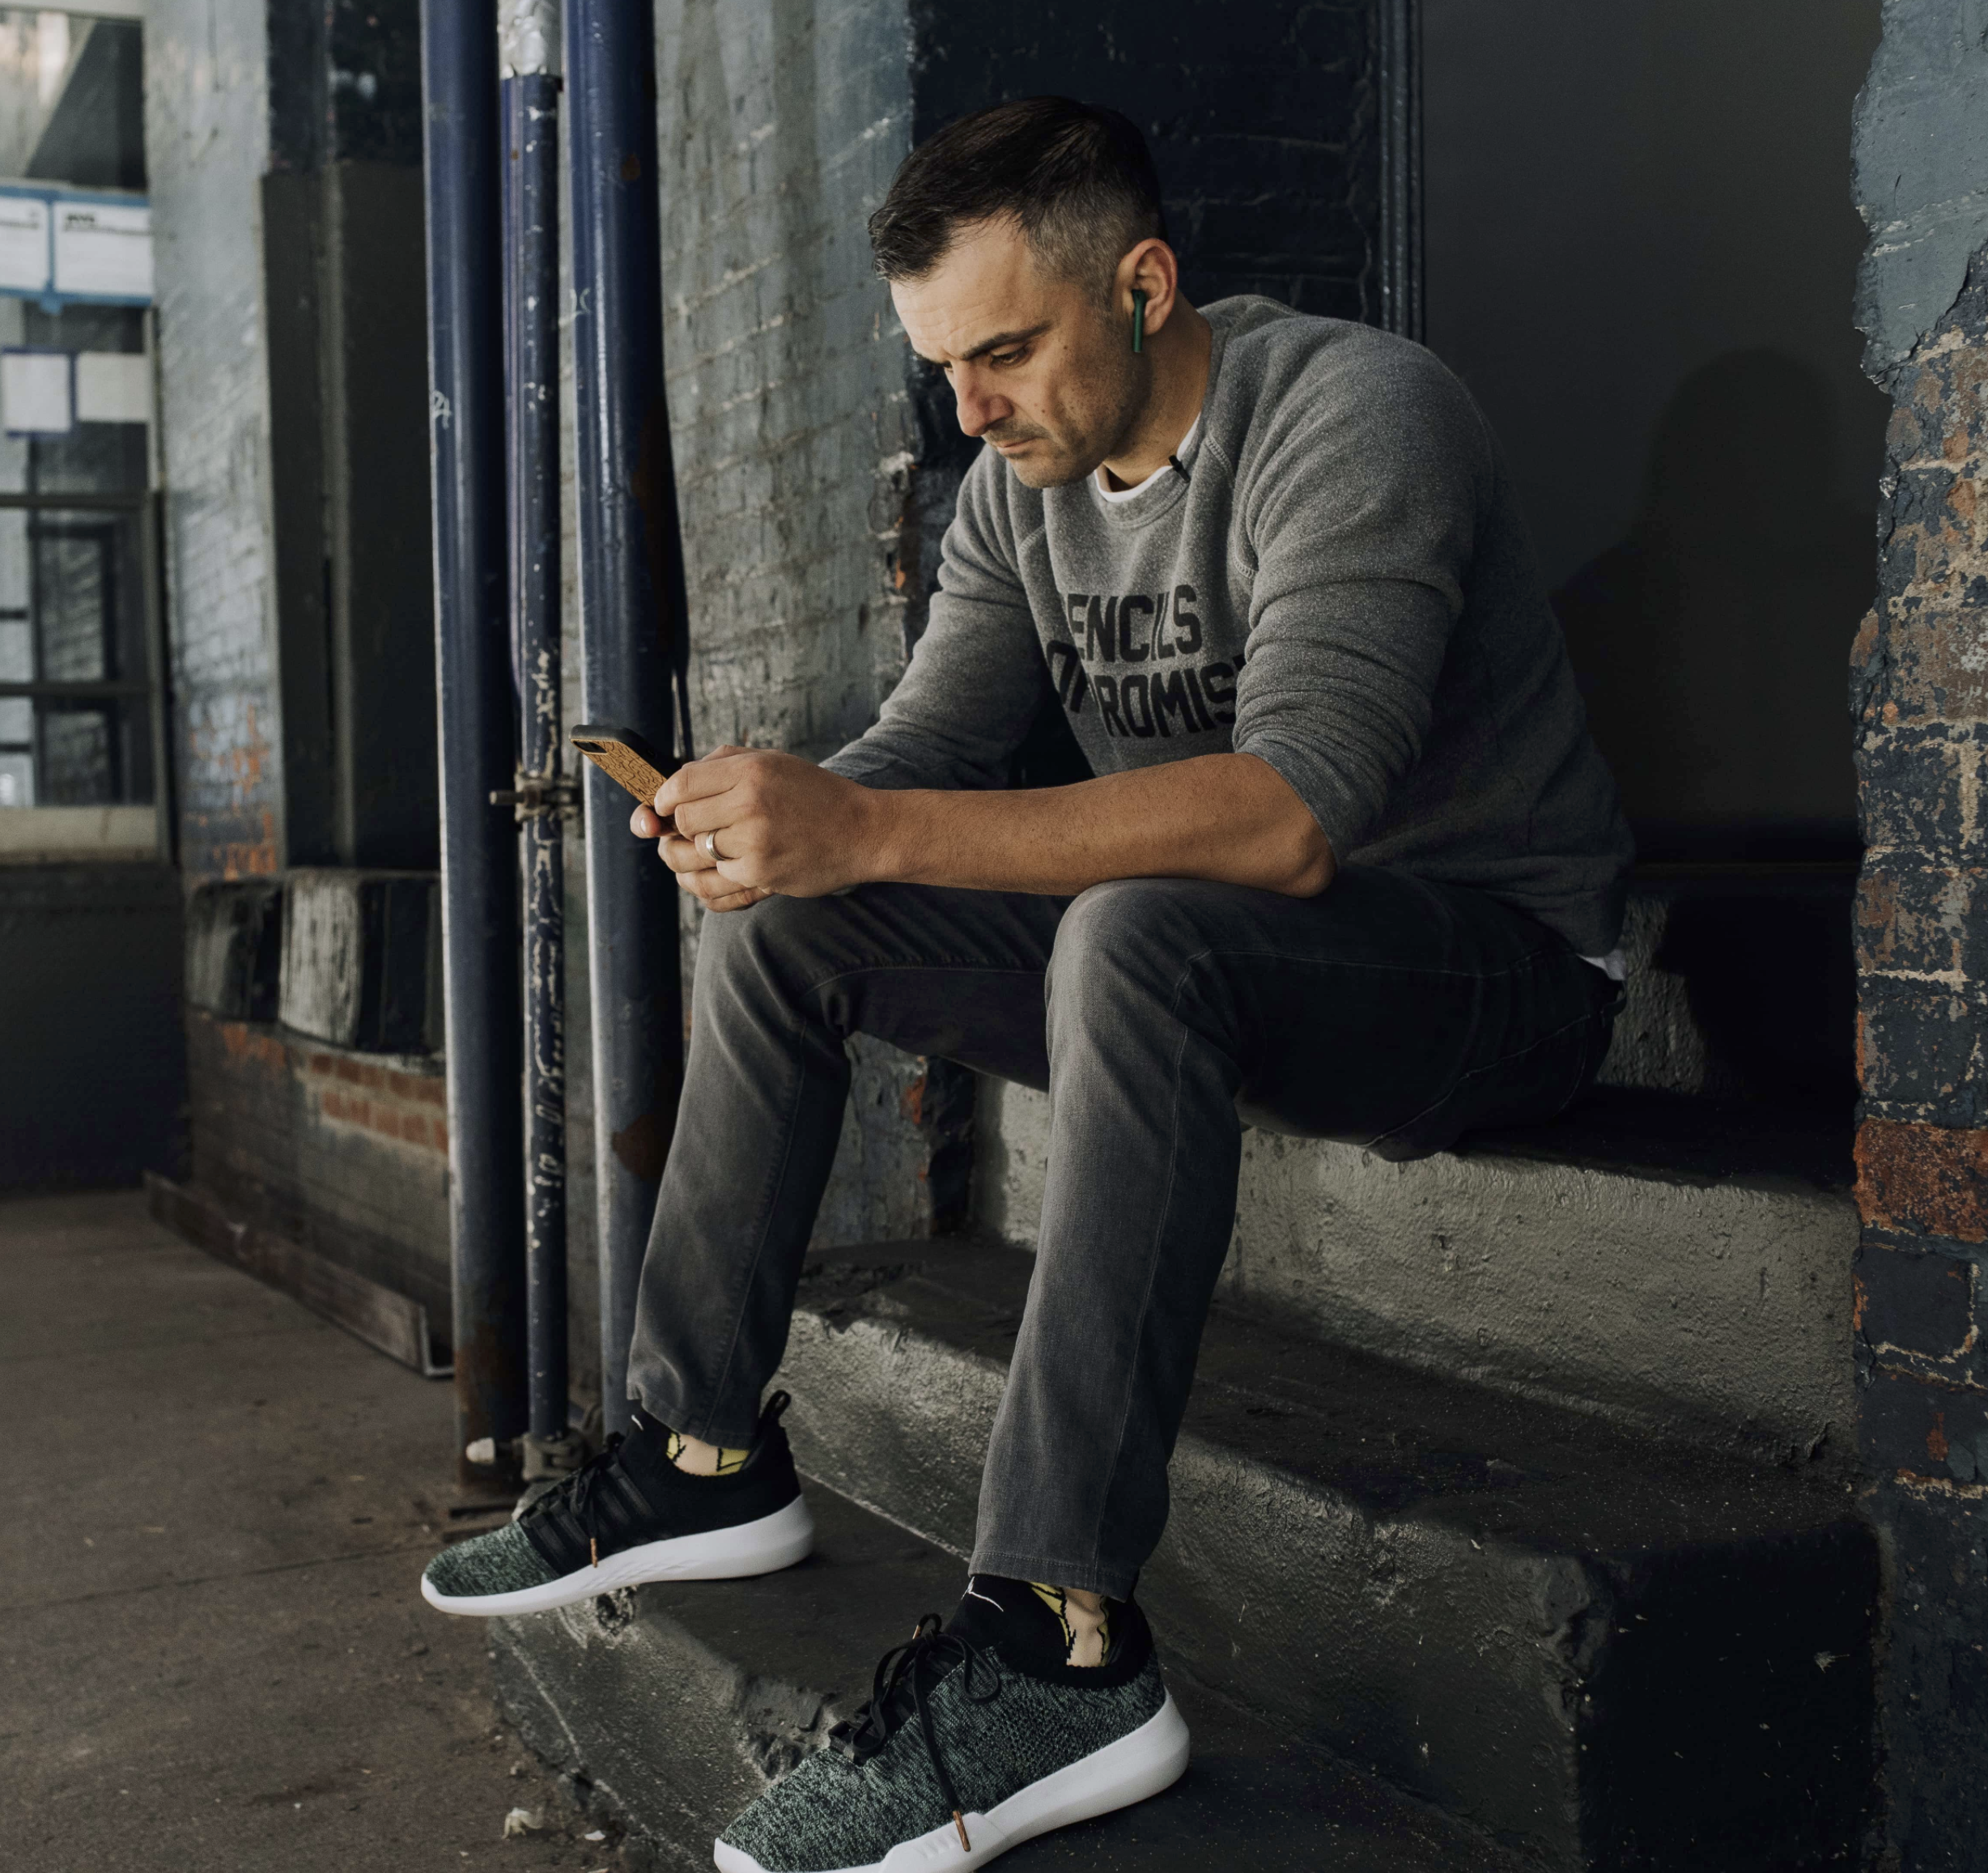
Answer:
[(1362, 515), (975, 677)]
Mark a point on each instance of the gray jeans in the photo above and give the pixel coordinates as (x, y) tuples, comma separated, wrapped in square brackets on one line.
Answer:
[(1161, 1014)]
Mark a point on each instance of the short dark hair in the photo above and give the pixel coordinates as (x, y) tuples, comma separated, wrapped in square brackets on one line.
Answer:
[(1078, 179)]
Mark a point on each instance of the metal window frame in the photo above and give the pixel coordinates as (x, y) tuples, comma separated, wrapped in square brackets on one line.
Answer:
[(151, 687)]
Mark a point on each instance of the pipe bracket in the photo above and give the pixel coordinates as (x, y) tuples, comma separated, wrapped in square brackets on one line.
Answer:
[(537, 797)]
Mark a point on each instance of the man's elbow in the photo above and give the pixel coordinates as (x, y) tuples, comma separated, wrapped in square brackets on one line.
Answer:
[(1312, 867)]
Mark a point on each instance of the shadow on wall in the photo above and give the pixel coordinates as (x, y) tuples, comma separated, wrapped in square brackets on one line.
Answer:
[(1711, 643), (1763, 962)]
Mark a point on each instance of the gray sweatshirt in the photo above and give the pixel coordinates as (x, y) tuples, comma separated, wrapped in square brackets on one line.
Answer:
[(1342, 585)]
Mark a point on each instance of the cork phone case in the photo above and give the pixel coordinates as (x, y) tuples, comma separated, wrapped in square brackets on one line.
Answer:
[(624, 756)]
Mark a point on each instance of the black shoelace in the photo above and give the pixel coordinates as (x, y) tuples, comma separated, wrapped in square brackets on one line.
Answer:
[(907, 1668), (581, 1494)]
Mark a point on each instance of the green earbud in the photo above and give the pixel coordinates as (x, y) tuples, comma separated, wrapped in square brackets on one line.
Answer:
[(1139, 320)]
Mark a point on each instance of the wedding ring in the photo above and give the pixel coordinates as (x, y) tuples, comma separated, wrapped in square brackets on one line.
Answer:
[(708, 844)]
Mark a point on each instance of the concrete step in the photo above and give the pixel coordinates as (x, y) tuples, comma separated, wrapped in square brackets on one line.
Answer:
[(673, 1705), (1679, 1265), (1601, 1651)]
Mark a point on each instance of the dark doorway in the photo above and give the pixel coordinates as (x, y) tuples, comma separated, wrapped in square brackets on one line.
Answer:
[(1640, 254)]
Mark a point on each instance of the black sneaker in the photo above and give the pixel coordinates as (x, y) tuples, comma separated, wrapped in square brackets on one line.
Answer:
[(978, 1736), (629, 1515)]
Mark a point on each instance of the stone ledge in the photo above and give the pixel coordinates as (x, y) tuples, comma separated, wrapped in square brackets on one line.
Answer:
[(1710, 1303), (1513, 1612)]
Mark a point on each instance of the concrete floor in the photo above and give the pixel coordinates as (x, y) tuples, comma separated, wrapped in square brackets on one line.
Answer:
[(212, 1653)]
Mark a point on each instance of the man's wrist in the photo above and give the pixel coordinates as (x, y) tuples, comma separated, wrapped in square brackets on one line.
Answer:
[(879, 835)]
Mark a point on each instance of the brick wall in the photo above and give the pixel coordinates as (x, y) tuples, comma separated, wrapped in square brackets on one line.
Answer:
[(206, 142), (1262, 121), (1922, 1148), (1920, 699), (780, 123), (344, 1152)]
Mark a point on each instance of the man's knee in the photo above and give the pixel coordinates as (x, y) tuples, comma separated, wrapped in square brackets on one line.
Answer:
[(1129, 937), (776, 943)]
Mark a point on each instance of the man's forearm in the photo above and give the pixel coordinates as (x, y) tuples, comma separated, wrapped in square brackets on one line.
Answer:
[(1229, 818)]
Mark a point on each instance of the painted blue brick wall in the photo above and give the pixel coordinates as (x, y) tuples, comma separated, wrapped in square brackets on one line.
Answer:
[(780, 123), (1921, 702), (1261, 120)]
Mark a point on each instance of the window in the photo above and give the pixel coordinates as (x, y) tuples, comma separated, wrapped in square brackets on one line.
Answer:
[(81, 721), (77, 696)]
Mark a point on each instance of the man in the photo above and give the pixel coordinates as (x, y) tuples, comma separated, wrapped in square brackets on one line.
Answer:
[(1349, 866)]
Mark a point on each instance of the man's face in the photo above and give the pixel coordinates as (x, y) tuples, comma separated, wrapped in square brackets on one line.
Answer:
[(1040, 369)]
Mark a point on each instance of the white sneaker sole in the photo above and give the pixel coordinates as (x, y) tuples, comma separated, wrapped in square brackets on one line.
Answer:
[(1140, 1764), (773, 1542)]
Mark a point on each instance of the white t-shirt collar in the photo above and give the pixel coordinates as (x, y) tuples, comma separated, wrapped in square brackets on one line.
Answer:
[(1118, 496)]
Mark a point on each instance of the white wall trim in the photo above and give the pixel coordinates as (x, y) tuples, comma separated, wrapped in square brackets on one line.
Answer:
[(97, 10), (49, 835)]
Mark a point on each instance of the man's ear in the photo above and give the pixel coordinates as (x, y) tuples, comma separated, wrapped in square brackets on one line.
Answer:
[(1153, 269)]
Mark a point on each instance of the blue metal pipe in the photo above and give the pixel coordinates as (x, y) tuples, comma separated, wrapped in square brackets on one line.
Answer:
[(479, 848), (631, 629), (529, 105)]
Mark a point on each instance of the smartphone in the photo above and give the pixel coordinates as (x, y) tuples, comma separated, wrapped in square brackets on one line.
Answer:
[(625, 757)]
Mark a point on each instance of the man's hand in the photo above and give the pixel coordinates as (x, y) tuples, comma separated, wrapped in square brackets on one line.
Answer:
[(746, 823)]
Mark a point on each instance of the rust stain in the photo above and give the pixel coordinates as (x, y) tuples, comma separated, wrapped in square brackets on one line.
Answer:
[(640, 1147), (1936, 1438), (248, 757), (1859, 1295), (1877, 911), (911, 1102), (243, 860), (1923, 1177)]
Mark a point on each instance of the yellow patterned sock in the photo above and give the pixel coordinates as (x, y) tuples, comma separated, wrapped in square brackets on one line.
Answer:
[(1087, 1634), (702, 1459)]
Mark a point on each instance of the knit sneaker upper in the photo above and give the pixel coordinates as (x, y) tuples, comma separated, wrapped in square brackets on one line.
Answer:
[(1001, 1718), (628, 1494), (503, 1561)]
